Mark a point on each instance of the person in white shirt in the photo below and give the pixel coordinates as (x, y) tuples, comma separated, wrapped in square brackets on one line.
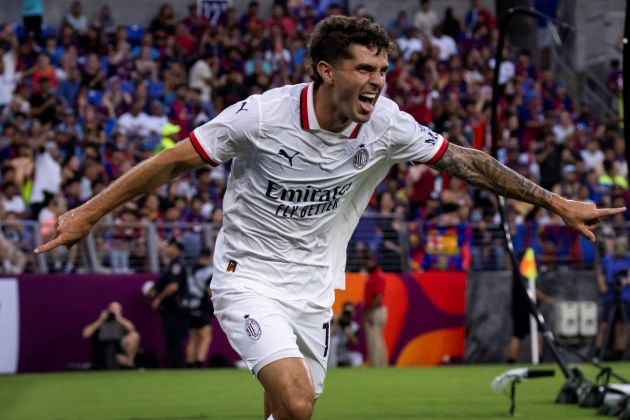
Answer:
[(593, 156), (135, 122), (202, 77), (409, 42), (563, 128), (305, 161), (445, 43), (47, 173), (425, 18), (11, 200), (9, 77), (76, 18)]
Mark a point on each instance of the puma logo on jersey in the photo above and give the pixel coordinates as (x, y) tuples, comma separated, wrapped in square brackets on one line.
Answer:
[(284, 154), (242, 108)]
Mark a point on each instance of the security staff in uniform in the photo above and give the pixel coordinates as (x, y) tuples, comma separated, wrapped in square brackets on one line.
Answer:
[(166, 295)]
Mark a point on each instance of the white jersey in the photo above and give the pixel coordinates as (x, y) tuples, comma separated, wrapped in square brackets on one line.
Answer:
[(296, 192)]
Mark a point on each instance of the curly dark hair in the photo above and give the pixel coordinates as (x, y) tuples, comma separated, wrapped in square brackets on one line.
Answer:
[(332, 37)]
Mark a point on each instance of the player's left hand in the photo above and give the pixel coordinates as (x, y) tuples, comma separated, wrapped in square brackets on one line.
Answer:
[(585, 217)]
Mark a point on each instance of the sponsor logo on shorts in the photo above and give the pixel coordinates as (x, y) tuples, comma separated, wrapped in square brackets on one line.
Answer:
[(231, 267), (252, 328), (361, 157)]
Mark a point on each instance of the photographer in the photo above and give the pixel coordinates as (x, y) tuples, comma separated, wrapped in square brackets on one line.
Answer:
[(343, 334), (114, 339), (614, 284)]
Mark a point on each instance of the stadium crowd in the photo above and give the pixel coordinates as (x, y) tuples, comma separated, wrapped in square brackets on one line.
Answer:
[(83, 102)]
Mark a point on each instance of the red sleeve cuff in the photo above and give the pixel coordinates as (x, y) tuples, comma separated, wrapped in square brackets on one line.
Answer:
[(202, 153), (439, 153)]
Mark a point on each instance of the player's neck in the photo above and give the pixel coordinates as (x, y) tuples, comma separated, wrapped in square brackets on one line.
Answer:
[(327, 112)]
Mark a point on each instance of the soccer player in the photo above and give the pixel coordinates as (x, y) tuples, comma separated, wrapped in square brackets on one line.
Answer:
[(305, 160)]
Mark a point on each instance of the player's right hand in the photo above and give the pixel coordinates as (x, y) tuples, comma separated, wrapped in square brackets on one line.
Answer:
[(71, 227)]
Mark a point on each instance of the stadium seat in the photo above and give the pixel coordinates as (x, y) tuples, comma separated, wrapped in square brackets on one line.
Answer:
[(134, 34), (95, 97), (20, 31), (47, 31)]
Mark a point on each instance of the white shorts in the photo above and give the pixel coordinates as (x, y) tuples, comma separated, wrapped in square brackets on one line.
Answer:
[(263, 330)]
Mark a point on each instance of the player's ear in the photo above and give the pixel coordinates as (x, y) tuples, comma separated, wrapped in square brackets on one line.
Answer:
[(326, 71)]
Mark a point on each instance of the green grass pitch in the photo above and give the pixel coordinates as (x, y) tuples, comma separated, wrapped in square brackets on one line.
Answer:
[(361, 393)]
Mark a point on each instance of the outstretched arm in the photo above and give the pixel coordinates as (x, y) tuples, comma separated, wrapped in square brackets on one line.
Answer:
[(75, 224), (481, 170)]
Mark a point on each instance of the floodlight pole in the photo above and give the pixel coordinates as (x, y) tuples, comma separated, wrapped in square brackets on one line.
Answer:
[(533, 308)]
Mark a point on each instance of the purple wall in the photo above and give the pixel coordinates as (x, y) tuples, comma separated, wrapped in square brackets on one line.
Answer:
[(55, 308)]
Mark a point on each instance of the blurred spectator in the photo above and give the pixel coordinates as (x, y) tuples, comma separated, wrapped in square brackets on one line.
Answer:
[(488, 252), (114, 339), (47, 177), (123, 235), (44, 103), (397, 26), (564, 128), (32, 12), (202, 77), (452, 25), (12, 257), (76, 19), (105, 22), (11, 200), (614, 285), (163, 23), (409, 42), (9, 77), (444, 42), (343, 335), (425, 18), (478, 16), (390, 250), (592, 156), (135, 123), (231, 90), (375, 315), (548, 155), (194, 21), (610, 176)]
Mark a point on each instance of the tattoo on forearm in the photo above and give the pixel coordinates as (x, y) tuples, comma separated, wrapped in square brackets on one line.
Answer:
[(481, 170)]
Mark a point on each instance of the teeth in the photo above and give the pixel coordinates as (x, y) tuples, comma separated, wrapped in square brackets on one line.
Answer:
[(369, 95)]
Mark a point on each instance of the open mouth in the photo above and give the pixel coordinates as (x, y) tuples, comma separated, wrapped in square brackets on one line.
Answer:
[(367, 101)]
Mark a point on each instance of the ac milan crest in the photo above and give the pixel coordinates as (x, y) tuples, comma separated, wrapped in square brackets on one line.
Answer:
[(252, 328), (361, 157)]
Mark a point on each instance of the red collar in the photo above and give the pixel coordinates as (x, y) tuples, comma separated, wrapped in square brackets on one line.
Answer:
[(309, 120)]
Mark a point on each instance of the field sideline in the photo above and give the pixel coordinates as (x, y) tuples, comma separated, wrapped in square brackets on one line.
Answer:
[(361, 393)]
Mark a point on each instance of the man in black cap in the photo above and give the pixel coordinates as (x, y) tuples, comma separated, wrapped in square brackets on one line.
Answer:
[(166, 300)]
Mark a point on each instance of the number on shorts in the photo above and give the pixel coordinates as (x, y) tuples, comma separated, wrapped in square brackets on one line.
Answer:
[(327, 328)]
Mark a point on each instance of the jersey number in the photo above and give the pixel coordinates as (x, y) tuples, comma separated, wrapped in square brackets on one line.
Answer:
[(327, 328)]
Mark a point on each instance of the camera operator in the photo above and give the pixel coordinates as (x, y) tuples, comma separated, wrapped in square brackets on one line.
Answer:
[(343, 334), (614, 284), (114, 339)]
